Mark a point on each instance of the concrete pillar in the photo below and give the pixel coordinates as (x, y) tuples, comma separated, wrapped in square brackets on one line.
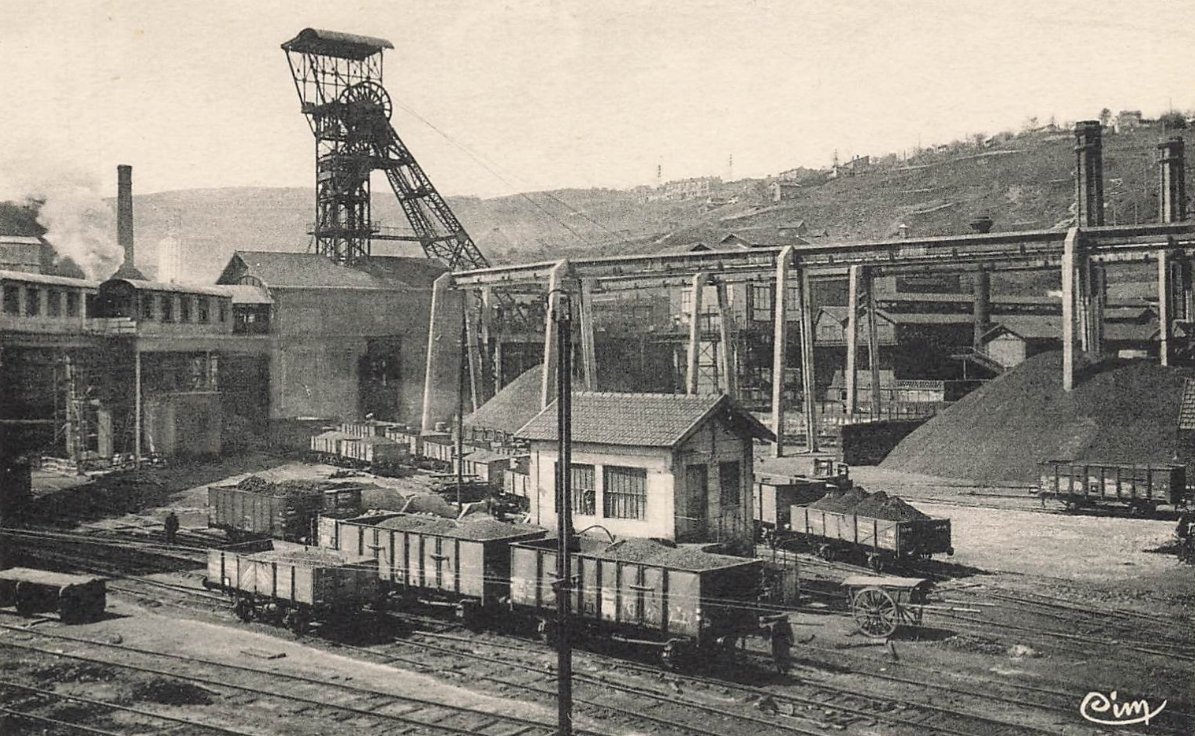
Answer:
[(588, 351), (1069, 261), (1172, 180), (852, 341), (1165, 300), (983, 307), (873, 345), (779, 345), (1089, 174), (555, 286), (473, 350), (726, 342), (436, 333), (697, 290), (808, 382)]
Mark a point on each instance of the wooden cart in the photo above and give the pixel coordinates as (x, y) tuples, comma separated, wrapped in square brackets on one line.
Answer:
[(882, 604)]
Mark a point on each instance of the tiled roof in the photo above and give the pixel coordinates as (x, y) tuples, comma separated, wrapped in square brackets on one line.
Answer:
[(280, 270), (642, 420)]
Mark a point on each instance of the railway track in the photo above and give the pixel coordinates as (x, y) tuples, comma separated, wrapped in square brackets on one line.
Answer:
[(822, 706), (368, 708), (34, 704)]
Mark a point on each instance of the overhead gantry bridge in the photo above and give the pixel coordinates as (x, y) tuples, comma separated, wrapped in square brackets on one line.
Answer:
[(1081, 253)]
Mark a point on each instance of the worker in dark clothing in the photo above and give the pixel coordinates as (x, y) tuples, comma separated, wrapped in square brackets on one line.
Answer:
[(782, 644), (1186, 536), (171, 527)]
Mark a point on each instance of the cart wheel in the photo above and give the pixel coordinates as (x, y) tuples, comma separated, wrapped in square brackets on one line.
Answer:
[(243, 608), (875, 612), (674, 654), (297, 620), (875, 562)]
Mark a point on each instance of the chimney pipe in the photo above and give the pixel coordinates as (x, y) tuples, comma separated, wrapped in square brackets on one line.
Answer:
[(1089, 174), (124, 213), (1172, 180)]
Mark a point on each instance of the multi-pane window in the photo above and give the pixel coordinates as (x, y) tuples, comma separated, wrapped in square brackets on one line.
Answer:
[(167, 308), (584, 490), (761, 303), (204, 315), (223, 312), (729, 484), (54, 303), (72, 304), (32, 301), (147, 307), (184, 309), (12, 300), (625, 493)]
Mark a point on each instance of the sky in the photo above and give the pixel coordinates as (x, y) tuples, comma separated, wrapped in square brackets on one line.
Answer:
[(495, 97)]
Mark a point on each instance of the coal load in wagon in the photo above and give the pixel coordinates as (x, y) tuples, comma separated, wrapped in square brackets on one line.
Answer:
[(841, 502), (890, 508), (652, 552)]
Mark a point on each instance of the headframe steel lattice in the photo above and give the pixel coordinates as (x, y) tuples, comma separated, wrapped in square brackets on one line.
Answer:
[(339, 80)]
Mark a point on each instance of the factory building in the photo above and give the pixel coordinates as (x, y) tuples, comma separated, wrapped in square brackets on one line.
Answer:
[(344, 340)]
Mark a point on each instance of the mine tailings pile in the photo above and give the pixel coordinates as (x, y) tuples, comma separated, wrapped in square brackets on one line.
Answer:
[(1118, 412), (878, 505)]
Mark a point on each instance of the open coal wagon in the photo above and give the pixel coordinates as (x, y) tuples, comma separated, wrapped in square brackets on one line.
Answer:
[(294, 586), (679, 600), (1142, 488)]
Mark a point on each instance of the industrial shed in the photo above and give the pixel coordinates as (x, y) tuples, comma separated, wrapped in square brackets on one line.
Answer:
[(345, 341), (670, 466)]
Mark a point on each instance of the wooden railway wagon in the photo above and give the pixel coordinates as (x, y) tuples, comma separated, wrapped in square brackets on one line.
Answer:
[(366, 428), (405, 435), (294, 586), (373, 451), (486, 466), (435, 560), (438, 447), (326, 446), (834, 535), (75, 598), (679, 599), (276, 511), (774, 499), (1140, 487)]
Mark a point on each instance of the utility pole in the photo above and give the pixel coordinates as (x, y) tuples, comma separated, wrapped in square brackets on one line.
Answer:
[(561, 307)]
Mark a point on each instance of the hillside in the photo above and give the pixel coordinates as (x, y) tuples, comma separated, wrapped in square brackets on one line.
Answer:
[(1118, 412), (1021, 182)]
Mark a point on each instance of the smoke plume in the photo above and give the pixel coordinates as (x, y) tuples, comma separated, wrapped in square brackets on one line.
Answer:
[(79, 224)]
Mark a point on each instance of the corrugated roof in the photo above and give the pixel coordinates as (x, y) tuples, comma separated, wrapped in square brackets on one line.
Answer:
[(142, 285), (37, 278), (642, 420), (512, 407), (335, 43), (284, 270)]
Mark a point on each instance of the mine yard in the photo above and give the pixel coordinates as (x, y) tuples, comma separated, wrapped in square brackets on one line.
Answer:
[(1021, 633), (899, 446)]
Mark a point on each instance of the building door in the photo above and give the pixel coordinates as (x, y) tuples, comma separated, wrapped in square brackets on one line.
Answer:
[(697, 503)]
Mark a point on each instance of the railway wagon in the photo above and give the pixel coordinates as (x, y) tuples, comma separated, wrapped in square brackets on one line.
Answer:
[(293, 585), (326, 446), (438, 560), (366, 428), (438, 446), (276, 511), (840, 534), (75, 598), (1140, 487), (405, 435), (774, 499), (486, 466), (372, 451), (679, 599)]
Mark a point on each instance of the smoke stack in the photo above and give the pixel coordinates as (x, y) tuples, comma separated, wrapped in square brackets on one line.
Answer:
[(124, 223), (1172, 180), (1089, 173)]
